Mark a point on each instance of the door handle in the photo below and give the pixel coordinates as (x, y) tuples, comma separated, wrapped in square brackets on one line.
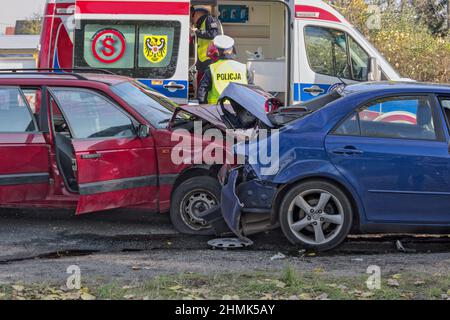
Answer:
[(91, 156), (173, 86), (347, 151), (314, 90)]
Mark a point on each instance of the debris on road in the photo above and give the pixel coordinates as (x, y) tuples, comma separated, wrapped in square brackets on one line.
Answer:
[(278, 256), (401, 248), (229, 243)]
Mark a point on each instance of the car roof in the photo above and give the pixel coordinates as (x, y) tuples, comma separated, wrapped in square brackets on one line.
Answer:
[(392, 87), (104, 78)]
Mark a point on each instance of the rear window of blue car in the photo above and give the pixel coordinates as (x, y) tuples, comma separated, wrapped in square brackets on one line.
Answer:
[(407, 117)]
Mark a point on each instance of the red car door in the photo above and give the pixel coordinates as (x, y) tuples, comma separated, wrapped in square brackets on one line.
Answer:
[(114, 167), (24, 153)]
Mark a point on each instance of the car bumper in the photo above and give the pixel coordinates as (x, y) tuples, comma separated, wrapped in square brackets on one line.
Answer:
[(243, 202)]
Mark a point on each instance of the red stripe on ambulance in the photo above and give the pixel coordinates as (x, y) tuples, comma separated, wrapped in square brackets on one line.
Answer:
[(310, 12), (133, 7)]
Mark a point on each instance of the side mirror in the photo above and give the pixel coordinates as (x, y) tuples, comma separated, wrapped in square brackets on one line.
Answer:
[(143, 131), (374, 70)]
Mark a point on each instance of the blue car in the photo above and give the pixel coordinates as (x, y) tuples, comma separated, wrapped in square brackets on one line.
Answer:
[(367, 158)]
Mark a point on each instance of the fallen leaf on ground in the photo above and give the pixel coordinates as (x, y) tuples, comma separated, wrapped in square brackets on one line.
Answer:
[(393, 283), (366, 294), (266, 296), (319, 270), (323, 296), (280, 284), (175, 288), (228, 297), (128, 287), (396, 276), (305, 296), (87, 296), (18, 288)]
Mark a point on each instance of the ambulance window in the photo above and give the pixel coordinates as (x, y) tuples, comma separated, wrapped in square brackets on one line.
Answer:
[(155, 46), (319, 50), (327, 51), (360, 61), (109, 46)]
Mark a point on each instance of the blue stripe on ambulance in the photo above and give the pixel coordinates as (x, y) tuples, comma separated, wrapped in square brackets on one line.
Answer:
[(300, 94), (178, 94)]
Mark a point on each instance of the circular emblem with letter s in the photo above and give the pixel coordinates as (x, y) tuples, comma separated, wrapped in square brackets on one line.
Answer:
[(108, 46)]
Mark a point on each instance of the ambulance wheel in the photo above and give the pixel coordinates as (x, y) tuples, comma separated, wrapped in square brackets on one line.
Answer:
[(191, 198)]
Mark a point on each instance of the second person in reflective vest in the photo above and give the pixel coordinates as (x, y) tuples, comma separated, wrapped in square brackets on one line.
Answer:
[(222, 72), (206, 28)]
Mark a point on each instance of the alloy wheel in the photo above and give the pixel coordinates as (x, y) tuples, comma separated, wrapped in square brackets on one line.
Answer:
[(315, 216)]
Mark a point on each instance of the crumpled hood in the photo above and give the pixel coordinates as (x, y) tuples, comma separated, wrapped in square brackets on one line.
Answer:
[(210, 113), (251, 98)]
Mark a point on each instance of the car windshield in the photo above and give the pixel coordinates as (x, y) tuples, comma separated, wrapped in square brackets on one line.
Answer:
[(154, 107)]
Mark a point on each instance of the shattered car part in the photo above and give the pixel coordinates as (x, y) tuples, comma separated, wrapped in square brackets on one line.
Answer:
[(229, 243)]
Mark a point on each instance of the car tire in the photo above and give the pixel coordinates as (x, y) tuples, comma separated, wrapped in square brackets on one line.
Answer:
[(190, 198), (333, 216)]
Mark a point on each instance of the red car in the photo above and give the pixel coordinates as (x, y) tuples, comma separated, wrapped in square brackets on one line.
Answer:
[(94, 142)]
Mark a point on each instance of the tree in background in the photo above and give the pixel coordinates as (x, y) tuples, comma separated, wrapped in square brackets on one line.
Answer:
[(433, 13), (30, 26)]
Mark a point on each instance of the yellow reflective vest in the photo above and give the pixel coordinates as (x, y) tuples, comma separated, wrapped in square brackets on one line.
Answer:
[(202, 45), (222, 73)]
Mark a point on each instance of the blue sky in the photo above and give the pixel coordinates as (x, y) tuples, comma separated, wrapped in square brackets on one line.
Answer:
[(12, 10)]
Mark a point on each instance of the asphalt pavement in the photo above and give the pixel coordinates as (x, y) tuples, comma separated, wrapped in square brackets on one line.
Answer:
[(37, 246)]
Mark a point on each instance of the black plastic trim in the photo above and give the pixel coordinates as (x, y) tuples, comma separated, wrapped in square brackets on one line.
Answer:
[(119, 184), (23, 178)]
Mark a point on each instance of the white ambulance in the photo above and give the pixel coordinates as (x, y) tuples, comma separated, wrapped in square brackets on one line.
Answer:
[(296, 49)]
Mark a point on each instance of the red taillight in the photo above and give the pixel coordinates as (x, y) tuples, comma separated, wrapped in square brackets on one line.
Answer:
[(271, 105)]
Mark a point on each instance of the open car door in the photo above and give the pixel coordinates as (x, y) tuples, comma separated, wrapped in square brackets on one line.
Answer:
[(112, 166), (144, 39)]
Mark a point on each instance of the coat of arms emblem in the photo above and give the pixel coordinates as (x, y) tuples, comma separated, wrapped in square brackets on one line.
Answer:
[(155, 48)]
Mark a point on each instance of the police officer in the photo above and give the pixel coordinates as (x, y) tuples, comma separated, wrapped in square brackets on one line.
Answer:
[(222, 72), (206, 28)]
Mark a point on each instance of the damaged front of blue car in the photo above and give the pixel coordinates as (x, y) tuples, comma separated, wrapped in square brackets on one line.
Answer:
[(275, 159)]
